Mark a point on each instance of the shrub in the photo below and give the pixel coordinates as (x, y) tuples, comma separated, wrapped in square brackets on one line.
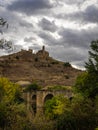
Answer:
[(58, 87), (33, 86), (54, 62), (67, 64), (17, 57), (36, 59)]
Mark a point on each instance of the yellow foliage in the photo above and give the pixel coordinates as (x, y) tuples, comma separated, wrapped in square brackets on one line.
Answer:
[(9, 89)]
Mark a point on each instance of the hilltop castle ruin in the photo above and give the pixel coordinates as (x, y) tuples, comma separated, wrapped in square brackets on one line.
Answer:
[(28, 55)]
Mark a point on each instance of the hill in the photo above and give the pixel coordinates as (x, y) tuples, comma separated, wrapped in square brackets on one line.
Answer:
[(39, 67)]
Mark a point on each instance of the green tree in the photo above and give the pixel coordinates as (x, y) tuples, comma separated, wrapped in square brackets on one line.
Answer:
[(87, 83), (13, 113), (80, 115), (55, 107), (34, 86), (92, 68), (92, 64), (10, 92)]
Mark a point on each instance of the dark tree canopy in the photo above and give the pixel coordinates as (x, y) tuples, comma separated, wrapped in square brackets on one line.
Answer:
[(92, 64)]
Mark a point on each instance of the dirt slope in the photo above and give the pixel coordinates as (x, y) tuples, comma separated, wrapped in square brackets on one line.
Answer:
[(39, 67)]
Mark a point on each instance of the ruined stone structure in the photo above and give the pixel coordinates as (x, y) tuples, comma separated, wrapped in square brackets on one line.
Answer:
[(35, 100), (42, 54)]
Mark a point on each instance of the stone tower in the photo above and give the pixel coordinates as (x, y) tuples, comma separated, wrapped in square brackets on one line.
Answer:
[(43, 48), (42, 54)]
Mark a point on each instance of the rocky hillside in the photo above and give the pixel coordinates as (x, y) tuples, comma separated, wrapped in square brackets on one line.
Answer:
[(39, 67)]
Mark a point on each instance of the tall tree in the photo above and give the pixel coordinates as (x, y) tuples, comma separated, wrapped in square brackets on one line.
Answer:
[(92, 68), (87, 83), (92, 64), (2, 24)]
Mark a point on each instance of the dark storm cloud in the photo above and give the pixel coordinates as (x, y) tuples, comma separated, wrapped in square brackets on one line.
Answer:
[(30, 7), (15, 21), (47, 25), (75, 56), (89, 15), (71, 37), (30, 23), (68, 53), (48, 38), (77, 38)]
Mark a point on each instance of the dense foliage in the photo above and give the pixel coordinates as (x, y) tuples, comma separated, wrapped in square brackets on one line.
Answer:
[(12, 108), (81, 115), (76, 114), (54, 107), (87, 83)]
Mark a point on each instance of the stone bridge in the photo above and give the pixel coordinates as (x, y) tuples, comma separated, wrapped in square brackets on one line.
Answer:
[(35, 100)]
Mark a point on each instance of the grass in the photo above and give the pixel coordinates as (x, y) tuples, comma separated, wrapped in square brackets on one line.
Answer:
[(58, 87)]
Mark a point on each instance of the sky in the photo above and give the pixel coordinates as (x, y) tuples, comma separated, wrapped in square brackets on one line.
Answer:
[(65, 27)]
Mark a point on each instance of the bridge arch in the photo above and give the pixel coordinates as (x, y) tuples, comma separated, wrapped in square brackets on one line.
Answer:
[(34, 97), (48, 97), (34, 105)]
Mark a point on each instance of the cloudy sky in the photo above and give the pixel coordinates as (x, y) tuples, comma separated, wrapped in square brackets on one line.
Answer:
[(65, 27)]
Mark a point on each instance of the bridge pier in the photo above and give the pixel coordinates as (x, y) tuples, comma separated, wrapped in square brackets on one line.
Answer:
[(39, 104)]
